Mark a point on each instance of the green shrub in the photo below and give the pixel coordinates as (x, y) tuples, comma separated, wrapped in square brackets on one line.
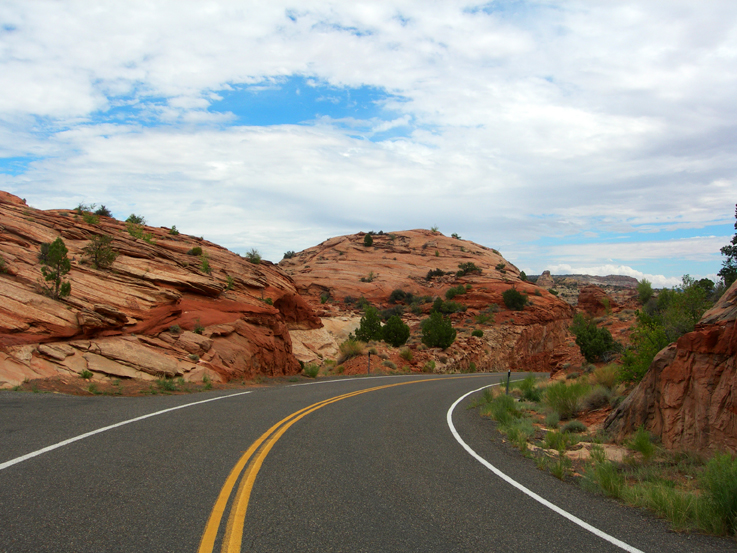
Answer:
[(477, 333), (429, 367), (166, 385), (529, 389), (523, 276), (558, 440), (447, 307), (574, 426), (455, 291), (406, 354), (387, 314), (56, 264), (719, 481), (289, 255), (197, 250), (607, 376), (598, 397), (173, 231), (400, 296), (369, 278), (437, 331), (230, 283), (3, 265), (603, 475), (175, 329), (564, 398), (642, 442), (194, 357), (552, 419), (368, 241), (253, 256), (513, 299), (434, 273), (348, 349), (205, 264), (593, 342), (395, 332), (198, 328), (644, 291), (102, 211), (501, 267), (99, 253), (501, 408), (467, 268), (370, 325), (311, 370), (388, 363), (135, 219), (86, 374), (136, 231)]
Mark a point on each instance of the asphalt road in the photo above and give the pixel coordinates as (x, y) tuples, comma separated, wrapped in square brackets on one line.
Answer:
[(377, 471)]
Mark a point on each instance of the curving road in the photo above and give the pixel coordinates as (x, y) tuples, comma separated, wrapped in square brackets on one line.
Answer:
[(366, 464)]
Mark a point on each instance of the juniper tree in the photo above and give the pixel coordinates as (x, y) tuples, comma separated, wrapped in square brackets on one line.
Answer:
[(55, 265)]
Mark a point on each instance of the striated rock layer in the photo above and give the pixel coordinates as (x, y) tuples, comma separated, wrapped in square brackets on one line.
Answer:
[(116, 321), (689, 394), (332, 275)]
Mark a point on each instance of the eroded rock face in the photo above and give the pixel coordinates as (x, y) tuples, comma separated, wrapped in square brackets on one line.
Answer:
[(689, 394), (333, 274), (116, 321), (545, 280), (595, 301)]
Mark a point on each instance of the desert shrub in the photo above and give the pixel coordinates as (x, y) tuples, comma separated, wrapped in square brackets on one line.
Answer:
[(253, 256), (406, 354), (719, 482), (513, 299), (368, 240), (395, 332), (194, 357), (173, 231), (646, 341), (198, 328), (598, 397), (447, 307), (644, 291), (429, 367), (552, 419), (607, 376), (55, 266), (388, 363), (603, 475), (437, 331), (594, 342), (311, 370), (398, 296), (455, 235), (289, 254), (229, 282), (642, 442), (387, 314), (574, 426), (3, 265), (551, 290), (205, 264), (197, 250), (135, 219), (559, 441), (502, 408), (103, 211), (267, 301), (86, 374), (467, 268), (529, 389), (370, 326), (478, 333), (434, 273), (500, 267), (175, 329), (349, 349), (564, 398), (455, 291), (99, 253), (523, 276)]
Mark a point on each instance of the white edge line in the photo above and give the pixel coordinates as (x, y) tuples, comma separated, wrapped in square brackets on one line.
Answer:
[(46, 449), (523, 489)]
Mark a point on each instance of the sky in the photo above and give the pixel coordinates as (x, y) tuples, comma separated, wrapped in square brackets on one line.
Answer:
[(589, 136)]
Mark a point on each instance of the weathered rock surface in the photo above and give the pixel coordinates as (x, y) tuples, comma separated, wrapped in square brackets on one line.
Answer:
[(545, 280), (332, 275), (116, 321), (689, 394), (595, 301)]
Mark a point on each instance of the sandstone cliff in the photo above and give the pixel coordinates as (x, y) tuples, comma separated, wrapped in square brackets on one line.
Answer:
[(332, 275), (689, 394), (116, 321)]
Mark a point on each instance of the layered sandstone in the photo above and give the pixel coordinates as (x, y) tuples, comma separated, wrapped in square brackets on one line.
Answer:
[(116, 321), (332, 275), (689, 394)]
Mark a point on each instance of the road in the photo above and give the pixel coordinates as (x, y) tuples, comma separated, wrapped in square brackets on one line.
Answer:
[(378, 470)]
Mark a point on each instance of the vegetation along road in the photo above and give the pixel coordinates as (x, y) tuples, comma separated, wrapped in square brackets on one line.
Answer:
[(368, 464)]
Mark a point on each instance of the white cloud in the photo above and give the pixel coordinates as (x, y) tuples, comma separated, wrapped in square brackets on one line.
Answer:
[(658, 281), (552, 120)]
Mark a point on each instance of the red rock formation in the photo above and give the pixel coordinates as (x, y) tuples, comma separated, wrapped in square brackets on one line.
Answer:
[(689, 394), (116, 321), (535, 339), (595, 301), (545, 280)]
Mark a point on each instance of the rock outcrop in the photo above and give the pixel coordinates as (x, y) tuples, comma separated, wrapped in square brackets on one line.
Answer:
[(545, 280), (229, 318), (335, 274), (688, 397), (595, 301)]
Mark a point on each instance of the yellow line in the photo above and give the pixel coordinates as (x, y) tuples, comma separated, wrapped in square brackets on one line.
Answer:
[(235, 525)]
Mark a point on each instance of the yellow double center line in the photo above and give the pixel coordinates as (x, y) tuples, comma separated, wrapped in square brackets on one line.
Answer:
[(261, 447)]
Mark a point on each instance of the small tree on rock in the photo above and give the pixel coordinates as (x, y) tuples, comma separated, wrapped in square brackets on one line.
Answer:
[(513, 299), (728, 272), (437, 331), (370, 325), (395, 332), (55, 266), (99, 253), (368, 241)]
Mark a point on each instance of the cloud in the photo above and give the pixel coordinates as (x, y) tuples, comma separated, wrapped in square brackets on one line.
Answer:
[(518, 121), (658, 281)]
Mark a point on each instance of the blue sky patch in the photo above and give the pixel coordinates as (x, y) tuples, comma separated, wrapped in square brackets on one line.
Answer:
[(16, 165), (297, 100)]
